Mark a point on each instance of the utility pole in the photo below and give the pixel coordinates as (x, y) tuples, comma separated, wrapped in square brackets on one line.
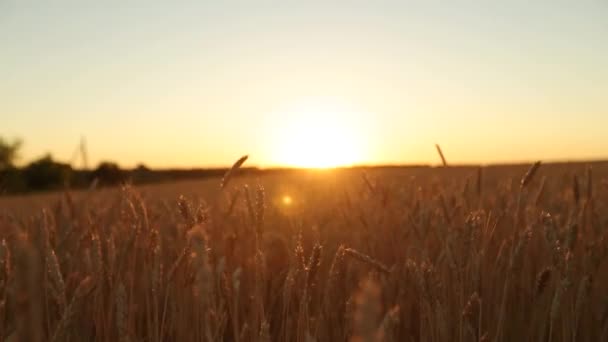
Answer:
[(81, 151)]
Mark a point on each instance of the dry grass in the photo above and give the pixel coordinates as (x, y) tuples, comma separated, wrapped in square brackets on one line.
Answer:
[(447, 254)]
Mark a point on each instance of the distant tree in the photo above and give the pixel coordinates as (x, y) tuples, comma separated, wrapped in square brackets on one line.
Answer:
[(108, 173), (12, 181), (9, 152), (141, 174), (141, 168), (45, 173)]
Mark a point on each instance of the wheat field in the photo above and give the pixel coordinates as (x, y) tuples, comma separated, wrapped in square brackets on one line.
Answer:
[(510, 253)]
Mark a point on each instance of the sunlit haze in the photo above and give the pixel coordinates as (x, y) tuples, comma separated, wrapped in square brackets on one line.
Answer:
[(307, 84)]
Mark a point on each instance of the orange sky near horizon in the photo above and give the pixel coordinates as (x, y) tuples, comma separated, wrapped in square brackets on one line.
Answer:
[(313, 84)]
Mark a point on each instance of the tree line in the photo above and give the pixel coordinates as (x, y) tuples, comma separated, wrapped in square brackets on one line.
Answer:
[(46, 173)]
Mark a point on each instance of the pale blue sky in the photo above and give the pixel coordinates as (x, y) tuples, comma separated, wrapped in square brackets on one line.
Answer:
[(201, 82)]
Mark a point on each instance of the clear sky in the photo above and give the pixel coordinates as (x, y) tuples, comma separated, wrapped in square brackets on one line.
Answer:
[(199, 83)]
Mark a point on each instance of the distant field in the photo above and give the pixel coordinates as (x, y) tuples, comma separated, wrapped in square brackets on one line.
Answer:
[(504, 253)]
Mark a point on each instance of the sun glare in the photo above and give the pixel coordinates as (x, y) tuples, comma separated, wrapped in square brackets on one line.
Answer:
[(287, 200), (319, 136)]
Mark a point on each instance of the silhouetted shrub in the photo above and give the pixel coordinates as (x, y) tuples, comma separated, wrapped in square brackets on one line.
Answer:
[(12, 181), (45, 174), (108, 173), (142, 174)]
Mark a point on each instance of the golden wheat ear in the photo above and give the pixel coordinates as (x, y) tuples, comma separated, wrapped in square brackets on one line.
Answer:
[(443, 161), (530, 174), (230, 173)]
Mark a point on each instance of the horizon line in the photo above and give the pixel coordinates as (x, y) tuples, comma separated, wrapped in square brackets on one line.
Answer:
[(363, 165)]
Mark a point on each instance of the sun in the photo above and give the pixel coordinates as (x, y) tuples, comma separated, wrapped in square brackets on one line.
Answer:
[(319, 136)]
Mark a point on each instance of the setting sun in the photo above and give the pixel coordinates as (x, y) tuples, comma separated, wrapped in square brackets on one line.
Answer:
[(319, 136)]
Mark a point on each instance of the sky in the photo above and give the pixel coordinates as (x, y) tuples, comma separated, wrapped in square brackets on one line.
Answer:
[(200, 83)]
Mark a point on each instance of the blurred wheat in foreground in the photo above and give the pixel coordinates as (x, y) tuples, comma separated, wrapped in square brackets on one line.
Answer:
[(428, 255)]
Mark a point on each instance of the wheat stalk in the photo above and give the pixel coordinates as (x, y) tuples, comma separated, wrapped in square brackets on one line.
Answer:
[(527, 178), (443, 161), (122, 312), (368, 260), (69, 316), (230, 173)]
